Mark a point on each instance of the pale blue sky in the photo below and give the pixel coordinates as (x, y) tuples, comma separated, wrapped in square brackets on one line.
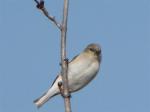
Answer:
[(30, 54)]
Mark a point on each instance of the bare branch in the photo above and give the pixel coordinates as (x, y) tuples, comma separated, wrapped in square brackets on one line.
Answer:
[(63, 86), (40, 5), (64, 60)]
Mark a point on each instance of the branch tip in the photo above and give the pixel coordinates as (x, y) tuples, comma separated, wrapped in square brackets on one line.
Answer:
[(40, 5)]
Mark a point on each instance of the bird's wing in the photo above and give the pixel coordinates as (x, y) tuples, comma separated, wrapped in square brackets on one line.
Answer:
[(74, 58), (58, 75), (54, 80)]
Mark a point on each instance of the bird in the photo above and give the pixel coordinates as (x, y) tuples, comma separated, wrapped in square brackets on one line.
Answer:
[(81, 70)]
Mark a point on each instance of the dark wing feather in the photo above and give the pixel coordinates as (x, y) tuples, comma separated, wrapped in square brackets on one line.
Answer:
[(54, 80)]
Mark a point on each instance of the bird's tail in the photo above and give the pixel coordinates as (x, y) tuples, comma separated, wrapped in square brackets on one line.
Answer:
[(54, 90), (45, 97)]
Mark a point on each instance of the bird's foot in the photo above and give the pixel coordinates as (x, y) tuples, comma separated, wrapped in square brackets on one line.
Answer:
[(63, 94)]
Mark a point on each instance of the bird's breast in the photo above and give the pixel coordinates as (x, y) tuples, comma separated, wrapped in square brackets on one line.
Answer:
[(81, 72)]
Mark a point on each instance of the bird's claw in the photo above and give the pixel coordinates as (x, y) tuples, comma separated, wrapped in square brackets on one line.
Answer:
[(60, 85)]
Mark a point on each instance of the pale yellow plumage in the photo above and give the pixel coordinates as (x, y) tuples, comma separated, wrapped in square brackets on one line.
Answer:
[(81, 70)]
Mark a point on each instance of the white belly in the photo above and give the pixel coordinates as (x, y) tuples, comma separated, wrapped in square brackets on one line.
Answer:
[(81, 73)]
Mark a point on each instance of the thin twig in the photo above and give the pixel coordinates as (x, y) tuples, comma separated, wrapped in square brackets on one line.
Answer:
[(63, 86), (64, 60), (40, 5)]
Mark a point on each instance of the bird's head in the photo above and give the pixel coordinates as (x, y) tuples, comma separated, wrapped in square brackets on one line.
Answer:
[(94, 48)]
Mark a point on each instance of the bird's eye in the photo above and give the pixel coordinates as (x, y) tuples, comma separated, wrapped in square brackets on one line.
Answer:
[(91, 49)]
